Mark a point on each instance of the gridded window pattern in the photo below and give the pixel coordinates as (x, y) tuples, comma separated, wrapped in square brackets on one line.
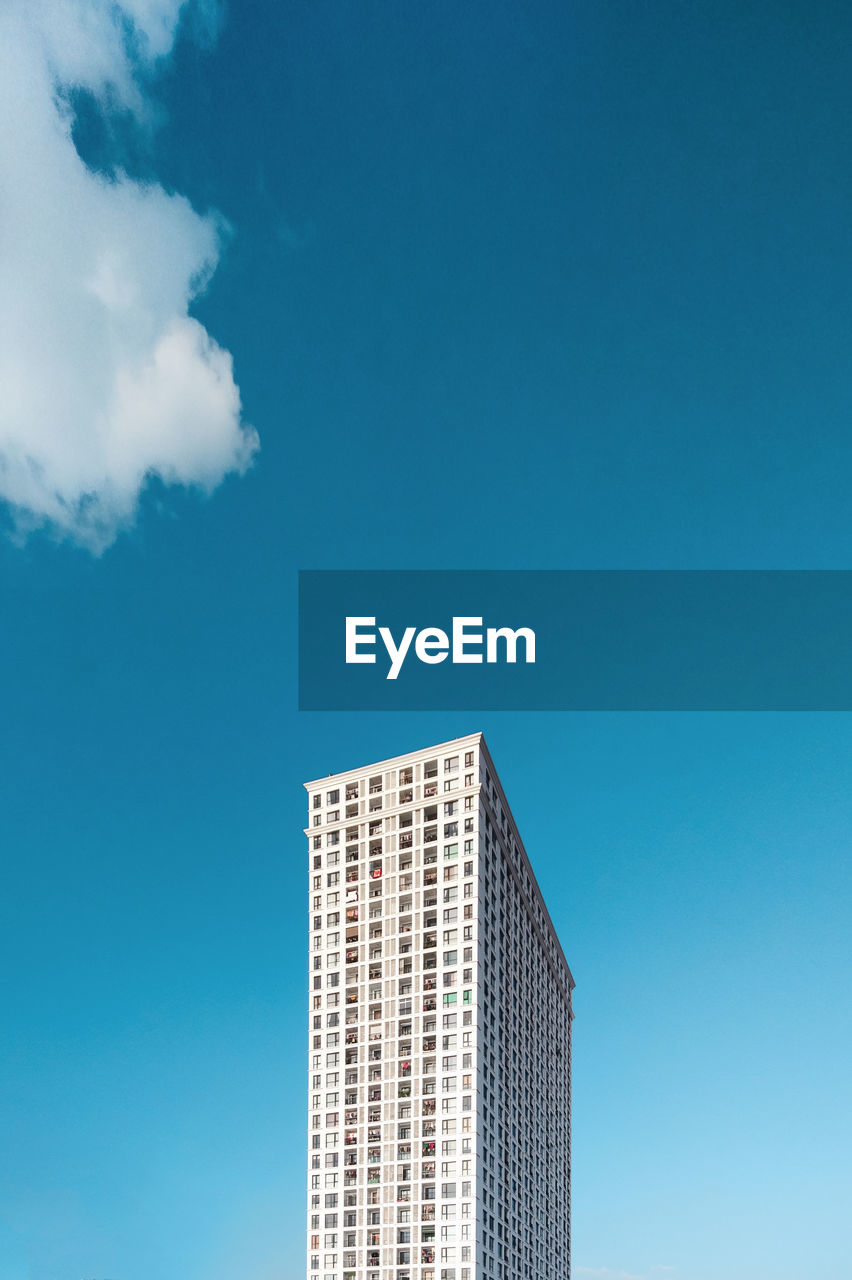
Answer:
[(439, 1031)]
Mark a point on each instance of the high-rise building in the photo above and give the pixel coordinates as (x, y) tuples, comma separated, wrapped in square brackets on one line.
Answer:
[(439, 1066)]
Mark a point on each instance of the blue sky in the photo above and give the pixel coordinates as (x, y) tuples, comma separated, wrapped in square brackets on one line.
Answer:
[(541, 286)]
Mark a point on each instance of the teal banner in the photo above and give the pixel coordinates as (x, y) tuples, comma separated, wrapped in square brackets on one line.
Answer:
[(575, 640)]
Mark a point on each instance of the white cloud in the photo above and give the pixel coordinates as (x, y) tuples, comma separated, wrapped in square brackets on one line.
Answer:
[(105, 379)]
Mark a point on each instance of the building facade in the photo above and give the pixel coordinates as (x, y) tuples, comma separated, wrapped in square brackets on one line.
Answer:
[(439, 1067)]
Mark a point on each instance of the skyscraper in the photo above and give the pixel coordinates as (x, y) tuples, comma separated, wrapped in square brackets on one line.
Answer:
[(439, 1065)]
